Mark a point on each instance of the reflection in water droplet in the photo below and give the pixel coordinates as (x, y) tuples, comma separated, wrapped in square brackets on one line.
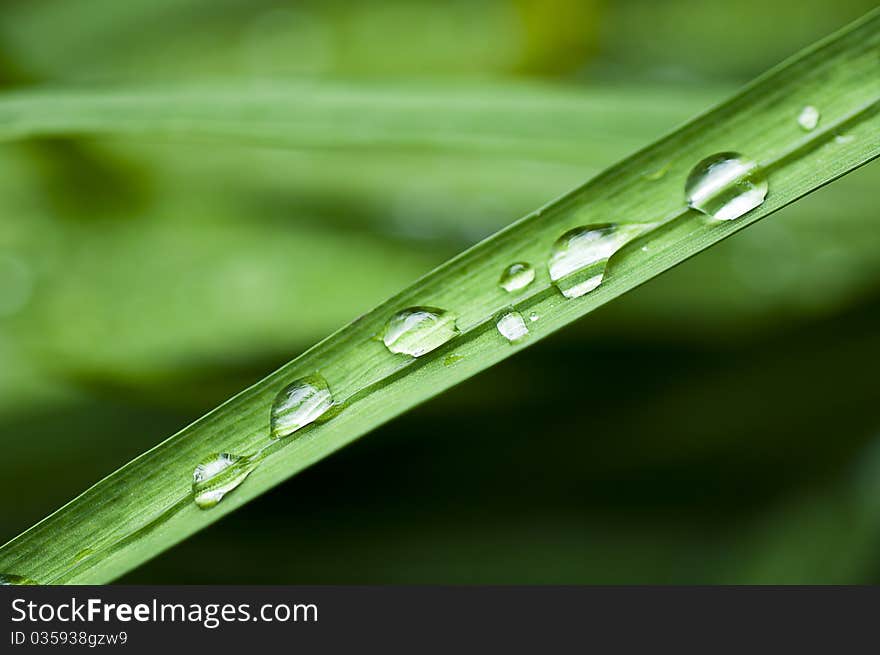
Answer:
[(579, 257), (301, 402), (452, 359), (418, 330), (512, 327), (808, 119), (725, 186), (533, 317), (517, 276), (217, 475), (10, 579)]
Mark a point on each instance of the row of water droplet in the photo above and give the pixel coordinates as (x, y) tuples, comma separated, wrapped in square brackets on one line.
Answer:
[(297, 405), (723, 186)]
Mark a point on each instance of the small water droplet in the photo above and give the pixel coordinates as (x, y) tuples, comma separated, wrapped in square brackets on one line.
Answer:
[(844, 138), (301, 402), (452, 359), (10, 579), (808, 119), (217, 475), (418, 330), (512, 327), (517, 276), (579, 257), (725, 186), (534, 317)]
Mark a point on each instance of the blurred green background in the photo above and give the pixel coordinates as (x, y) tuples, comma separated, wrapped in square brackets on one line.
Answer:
[(719, 424)]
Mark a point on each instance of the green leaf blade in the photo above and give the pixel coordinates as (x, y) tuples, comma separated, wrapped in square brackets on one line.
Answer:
[(145, 507)]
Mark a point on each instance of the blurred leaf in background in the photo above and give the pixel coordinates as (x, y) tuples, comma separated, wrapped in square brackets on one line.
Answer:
[(145, 277)]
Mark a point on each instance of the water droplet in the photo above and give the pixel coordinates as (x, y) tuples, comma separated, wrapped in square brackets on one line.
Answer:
[(843, 138), (418, 330), (512, 327), (579, 257), (217, 475), (808, 119), (517, 276), (301, 402), (534, 317), (452, 359), (10, 579), (725, 186)]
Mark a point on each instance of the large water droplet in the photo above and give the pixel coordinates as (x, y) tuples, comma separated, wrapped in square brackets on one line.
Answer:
[(418, 330), (808, 119), (512, 327), (517, 276), (217, 475), (579, 257), (10, 579), (301, 402), (725, 186)]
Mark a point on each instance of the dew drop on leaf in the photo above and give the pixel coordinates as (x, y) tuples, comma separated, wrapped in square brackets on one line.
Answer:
[(579, 257), (512, 327), (301, 402), (808, 119), (217, 475), (725, 186), (517, 276), (416, 331)]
